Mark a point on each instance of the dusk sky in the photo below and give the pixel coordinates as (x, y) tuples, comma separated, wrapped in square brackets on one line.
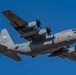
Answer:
[(59, 15)]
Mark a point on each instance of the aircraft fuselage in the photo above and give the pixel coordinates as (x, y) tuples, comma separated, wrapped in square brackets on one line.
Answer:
[(49, 44)]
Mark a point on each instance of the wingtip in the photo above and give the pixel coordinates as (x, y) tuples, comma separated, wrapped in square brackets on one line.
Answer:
[(7, 10)]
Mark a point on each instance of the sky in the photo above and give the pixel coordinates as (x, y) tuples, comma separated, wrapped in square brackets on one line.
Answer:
[(59, 15)]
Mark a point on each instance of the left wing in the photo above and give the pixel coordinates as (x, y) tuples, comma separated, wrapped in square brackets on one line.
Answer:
[(26, 30)]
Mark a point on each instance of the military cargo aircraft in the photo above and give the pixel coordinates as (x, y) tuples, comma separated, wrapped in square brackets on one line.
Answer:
[(39, 41)]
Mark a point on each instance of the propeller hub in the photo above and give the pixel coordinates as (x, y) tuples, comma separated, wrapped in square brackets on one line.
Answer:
[(38, 23), (48, 31)]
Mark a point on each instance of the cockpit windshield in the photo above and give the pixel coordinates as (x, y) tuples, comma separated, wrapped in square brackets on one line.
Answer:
[(73, 29)]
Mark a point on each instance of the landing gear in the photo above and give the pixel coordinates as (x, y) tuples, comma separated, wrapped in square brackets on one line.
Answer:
[(68, 46), (33, 56)]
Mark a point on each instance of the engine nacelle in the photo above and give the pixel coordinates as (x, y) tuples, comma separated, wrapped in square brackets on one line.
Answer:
[(31, 24), (41, 32)]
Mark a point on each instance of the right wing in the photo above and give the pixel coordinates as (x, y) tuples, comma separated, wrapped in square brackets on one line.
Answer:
[(22, 26), (71, 56), (3, 49)]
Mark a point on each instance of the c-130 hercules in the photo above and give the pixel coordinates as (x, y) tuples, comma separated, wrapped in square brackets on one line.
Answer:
[(39, 43)]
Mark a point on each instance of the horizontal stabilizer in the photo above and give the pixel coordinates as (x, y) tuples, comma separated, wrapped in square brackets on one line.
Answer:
[(3, 49), (13, 55)]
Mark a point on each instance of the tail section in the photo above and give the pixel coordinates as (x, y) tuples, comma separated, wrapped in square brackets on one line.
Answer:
[(5, 38)]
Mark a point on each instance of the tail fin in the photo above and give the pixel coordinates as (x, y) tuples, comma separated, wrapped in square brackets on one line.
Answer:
[(5, 38)]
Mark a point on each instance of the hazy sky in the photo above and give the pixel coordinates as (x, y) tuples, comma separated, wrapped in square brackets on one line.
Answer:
[(59, 15)]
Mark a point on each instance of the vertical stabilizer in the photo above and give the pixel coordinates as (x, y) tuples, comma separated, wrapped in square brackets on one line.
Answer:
[(5, 38)]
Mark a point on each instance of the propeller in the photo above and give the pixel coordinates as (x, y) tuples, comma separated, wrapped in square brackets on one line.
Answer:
[(38, 23), (48, 31)]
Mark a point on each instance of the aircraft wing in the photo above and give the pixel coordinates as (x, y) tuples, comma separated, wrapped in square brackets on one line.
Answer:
[(12, 55), (71, 56), (68, 55), (64, 53), (21, 26)]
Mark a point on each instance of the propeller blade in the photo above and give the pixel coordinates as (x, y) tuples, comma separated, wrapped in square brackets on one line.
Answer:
[(38, 23), (48, 31)]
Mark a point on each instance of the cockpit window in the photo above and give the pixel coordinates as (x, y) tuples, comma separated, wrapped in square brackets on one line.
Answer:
[(73, 29), (74, 32)]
